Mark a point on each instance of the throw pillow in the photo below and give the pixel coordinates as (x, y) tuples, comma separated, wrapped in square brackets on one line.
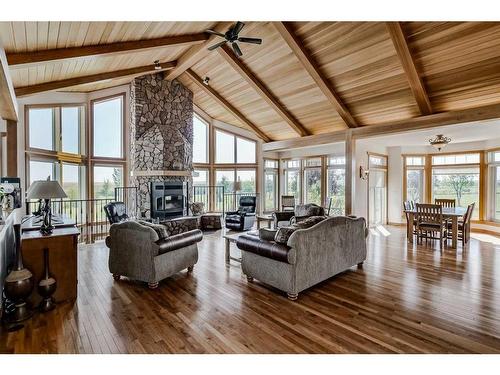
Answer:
[(197, 208), (160, 230), (284, 233)]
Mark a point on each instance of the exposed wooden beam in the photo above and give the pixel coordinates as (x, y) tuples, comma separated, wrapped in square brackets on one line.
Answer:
[(298, 48), (11, 148), (8, 102), (54, 85), (227, 106), (103, 49), (403, 51), (436, 120), (262, 90), (196, 53)]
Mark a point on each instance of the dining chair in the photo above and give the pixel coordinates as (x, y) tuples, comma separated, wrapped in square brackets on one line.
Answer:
[(445, 202), (408, 206), (429, 222), (464, 225), (287, 203)]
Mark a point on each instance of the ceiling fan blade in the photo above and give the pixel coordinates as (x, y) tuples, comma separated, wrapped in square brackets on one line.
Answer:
[(237, 28), (237, 49), (250, 40), (214, 33), (217, 45)]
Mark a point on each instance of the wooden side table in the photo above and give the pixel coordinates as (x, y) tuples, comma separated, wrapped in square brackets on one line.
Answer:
[(63, 257)]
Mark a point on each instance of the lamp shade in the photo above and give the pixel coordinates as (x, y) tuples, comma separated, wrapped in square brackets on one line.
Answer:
[(45, 190), (237, 185)]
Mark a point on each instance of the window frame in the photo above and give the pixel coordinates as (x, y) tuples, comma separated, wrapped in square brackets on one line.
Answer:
[(101, 160), (207, 156)]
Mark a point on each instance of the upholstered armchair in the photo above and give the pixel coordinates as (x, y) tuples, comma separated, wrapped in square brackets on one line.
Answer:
[(244, 217), (149, 252), (302, 211), (116, 212)]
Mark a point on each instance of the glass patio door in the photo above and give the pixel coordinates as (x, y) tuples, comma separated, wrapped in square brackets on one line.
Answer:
[(377, 190)]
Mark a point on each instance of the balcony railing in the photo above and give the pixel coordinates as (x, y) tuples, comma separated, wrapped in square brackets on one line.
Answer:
[(217, 199)]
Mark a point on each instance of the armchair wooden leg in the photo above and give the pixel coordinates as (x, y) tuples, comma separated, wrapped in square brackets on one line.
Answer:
[(292, 296), (190, 269), (360, 265), (116, 276), (249, 279), (152, 285)]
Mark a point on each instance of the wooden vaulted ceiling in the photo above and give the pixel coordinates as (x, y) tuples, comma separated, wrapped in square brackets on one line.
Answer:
[(306, 78)]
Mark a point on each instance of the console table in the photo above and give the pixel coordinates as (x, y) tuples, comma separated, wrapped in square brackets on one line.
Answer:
[(63, 260)]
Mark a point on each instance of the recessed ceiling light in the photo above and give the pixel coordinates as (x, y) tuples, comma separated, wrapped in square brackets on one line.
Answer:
[(157, 65)]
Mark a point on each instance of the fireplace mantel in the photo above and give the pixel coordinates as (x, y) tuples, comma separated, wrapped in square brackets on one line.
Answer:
[(153, 173)]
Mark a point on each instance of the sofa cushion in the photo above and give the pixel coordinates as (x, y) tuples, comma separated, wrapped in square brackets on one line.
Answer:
[(179, 241), (160, 229), (268, 249), (284, 233), (267, 234)]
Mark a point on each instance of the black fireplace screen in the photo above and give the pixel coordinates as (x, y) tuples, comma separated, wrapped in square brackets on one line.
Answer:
[(168, 199)]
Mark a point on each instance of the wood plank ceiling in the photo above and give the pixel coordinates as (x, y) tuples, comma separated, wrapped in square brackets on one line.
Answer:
[(372, 72)]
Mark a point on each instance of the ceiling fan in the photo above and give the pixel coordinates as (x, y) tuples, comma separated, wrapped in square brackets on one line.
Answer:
[(231, 36)]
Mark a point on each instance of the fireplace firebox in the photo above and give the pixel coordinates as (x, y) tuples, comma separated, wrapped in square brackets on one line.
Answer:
[(169, 199)]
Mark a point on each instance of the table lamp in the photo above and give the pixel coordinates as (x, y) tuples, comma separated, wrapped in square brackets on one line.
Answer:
[(45, 190)]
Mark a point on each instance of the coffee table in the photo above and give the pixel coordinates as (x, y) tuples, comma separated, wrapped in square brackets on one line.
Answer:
[(230, 238)]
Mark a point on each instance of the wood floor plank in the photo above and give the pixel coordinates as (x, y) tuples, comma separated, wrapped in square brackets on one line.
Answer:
[(405, 299)]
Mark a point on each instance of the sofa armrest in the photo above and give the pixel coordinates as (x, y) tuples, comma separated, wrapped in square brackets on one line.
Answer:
[(179, 241)]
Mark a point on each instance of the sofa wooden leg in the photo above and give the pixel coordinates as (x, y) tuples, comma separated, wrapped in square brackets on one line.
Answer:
[(292, 296), (116, 276), (152, 285), (190, 269), (249, 279), (360, 265)]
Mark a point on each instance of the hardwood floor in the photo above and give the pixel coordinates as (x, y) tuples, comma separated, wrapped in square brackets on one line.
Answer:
[(405, 300)]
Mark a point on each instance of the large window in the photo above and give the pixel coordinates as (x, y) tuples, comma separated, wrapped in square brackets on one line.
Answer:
[(200, 140), (107, 128), (42, 128), (56, 147), (271, 174), (106, 179), (58, 128), (335, 184), (494, 185), (224, 148), (457, 177), (292, 178), (312, 181), (231, 149), (415, 178), (377, 189)]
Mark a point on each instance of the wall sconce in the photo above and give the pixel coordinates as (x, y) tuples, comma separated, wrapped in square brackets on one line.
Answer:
[(363, 173)]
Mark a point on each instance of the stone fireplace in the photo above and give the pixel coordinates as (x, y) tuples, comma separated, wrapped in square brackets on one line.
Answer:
[(161, 134)]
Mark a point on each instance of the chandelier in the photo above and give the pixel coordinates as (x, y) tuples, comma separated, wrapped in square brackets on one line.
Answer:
[(439, 141)]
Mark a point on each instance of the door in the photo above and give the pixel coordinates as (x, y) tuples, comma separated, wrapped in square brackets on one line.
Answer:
[(377, 197)]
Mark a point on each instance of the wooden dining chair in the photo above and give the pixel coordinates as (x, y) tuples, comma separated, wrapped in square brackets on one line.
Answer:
[(287, 203), (464, 225), (430, 222), (445, 202), (408, 206)]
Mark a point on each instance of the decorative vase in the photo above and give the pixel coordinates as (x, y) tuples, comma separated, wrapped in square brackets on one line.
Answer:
[(18, 284), (47, 286)]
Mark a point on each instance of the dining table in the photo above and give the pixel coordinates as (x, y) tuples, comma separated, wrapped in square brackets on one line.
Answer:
[(452, 213)]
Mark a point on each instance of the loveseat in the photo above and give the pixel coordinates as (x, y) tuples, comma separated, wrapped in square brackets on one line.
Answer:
[(309, 256), (149, 253)]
